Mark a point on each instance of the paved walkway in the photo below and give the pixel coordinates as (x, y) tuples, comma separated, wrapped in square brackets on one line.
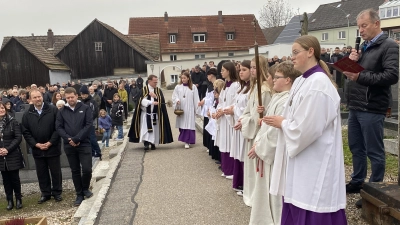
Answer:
[(171, 185)]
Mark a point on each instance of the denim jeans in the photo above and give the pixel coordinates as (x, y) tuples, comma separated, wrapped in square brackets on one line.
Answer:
[(93, 142), (106, 136), (366, 139), (120, 132)]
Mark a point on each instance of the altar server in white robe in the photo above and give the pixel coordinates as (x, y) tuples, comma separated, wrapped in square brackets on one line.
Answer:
[(238, 141), (207, 103), (309, 165), (185, 96), (267, 208), (250, 123), (225, 109)]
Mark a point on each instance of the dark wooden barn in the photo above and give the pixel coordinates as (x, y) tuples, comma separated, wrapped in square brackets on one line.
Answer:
[(101, 50), (24, 62)]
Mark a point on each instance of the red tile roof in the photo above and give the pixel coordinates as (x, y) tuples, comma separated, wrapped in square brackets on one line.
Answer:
[(185, 26)]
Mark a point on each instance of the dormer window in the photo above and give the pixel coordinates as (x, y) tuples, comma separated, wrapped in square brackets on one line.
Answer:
[(172, 38), (230, 37), (199, 38)]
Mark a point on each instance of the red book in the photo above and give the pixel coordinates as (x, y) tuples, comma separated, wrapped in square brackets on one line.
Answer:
[(346, 64)]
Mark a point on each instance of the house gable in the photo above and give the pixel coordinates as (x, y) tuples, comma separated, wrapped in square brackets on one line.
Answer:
[(20, 66), (99, 49)]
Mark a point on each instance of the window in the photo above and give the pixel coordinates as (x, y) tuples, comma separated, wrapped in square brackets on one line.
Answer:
[(199, 56), (324, 36), (174, 78), (172, 38), (172, 57), (229, 37), (199, 38), (358, 33), (395, 11), (98, 46), (389, 12), (342, 34), (382, 13), (231, 53)]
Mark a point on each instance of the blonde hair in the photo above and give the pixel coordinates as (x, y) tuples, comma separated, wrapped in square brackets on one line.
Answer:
[(263, 71), (102, 111), (308, 42), (218, 85)]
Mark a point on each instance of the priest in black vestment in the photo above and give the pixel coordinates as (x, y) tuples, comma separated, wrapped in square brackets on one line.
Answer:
[(150, 122)]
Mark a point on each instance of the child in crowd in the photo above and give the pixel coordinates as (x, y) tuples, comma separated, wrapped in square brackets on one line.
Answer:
[(266, 208), (212, 126), (105, 124), (117, 112), (124, 98)]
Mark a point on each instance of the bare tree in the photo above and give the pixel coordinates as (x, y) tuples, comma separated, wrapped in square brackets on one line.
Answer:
[(276, 13)]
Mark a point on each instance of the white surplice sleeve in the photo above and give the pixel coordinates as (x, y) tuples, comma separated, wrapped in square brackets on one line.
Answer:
[(302, 130), (175, 95)]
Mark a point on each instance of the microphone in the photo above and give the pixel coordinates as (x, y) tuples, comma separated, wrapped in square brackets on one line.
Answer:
[(357, 47)]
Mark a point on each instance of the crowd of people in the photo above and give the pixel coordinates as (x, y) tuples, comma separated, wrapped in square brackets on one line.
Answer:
[(278, 137), (53, 115), (284, 152)]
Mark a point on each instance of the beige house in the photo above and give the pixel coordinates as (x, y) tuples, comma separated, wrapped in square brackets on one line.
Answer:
[(390, 18), (335, 23)]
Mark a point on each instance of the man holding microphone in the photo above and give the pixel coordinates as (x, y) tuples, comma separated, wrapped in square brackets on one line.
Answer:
[(368, 99)]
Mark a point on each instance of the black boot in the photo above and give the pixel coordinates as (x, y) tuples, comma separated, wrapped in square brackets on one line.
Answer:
[(18, 204), (10, 204)]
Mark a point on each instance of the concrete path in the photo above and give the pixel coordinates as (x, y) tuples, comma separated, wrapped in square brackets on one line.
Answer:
[(171, 185)]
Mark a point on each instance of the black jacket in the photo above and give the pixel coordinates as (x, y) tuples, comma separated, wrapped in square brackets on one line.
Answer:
[(89, 101), (12, 137), (75, 124), (117, 111), (41, 129), (139, 82), (371, 92), (325, 57), (198, 78), (108, 95)]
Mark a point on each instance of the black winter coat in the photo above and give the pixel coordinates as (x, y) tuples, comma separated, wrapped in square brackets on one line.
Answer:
[(75, 124), (371, 92), (12, 137), (108, 95), (41, 129), (89, 101), (117, 111)]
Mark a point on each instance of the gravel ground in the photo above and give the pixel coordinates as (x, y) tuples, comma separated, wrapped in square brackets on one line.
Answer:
[(353, 214)]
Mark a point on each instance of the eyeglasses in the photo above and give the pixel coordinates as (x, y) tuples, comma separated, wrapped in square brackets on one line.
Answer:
[(277, 77), (296, 52)]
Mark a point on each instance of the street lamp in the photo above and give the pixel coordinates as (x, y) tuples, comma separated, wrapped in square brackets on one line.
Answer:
[(348, 21), (152, 68)]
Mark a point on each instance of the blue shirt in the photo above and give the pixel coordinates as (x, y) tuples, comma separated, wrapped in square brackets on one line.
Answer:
[(369, 43), (39, 111)]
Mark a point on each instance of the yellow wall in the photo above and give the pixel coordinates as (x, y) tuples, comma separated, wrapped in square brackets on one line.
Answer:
[(386, 23)]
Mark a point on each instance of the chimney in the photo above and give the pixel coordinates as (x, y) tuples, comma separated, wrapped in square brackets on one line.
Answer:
[(50, 39), (219, 16), (165, 17)]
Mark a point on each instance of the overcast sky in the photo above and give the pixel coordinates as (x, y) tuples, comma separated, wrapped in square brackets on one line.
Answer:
[(23, 17)]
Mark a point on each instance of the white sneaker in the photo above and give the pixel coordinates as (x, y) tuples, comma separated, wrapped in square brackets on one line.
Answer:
[(208, 150), (237, 190), (230, 177), (222, 175), (240, 193), (118, 139), (187, 146)]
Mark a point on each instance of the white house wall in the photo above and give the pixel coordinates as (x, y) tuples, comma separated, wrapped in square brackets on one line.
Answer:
[(168, 66), (188, 56), (59, 76)]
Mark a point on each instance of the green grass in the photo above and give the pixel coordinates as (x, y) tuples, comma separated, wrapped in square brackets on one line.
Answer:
[(391, 160), (30, 204)]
